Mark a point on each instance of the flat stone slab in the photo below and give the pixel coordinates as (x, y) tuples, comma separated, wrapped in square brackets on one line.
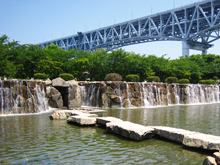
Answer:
[(103, 120), (82, 120), (130, 130), (204, 141), (174, 134), (64, 114), (189, 138)]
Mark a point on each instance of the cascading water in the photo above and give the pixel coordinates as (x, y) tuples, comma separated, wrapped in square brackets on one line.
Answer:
[(148, 94), (22, 97), (128, 95)]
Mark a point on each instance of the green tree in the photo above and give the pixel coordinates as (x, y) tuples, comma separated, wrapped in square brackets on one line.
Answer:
[(50, 67)]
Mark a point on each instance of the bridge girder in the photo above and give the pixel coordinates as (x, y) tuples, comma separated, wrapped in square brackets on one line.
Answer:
[(196, 24)]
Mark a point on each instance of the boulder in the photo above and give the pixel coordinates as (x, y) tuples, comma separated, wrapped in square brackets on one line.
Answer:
[(217, 157), (105, 100), (74, 96), (209, 161), (59, 82), (103, 87), (130, 130), (110, 91), (115, 99), (48, 82), (55, 98), (126, 103)]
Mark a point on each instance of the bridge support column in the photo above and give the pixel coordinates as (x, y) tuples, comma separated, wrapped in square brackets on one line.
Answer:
[(205, 51), (185, 48)]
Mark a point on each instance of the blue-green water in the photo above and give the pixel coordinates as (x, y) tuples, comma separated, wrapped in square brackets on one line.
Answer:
[(34, 139)]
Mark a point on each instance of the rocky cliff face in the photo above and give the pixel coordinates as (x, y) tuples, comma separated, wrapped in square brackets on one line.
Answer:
[(62, 94)]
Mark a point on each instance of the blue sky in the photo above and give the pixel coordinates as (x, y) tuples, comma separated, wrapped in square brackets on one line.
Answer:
[(35, 21)]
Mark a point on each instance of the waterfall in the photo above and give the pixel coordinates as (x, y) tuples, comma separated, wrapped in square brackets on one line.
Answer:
[(148, 94), (168, 95), (146, 103), (177, 94), (128, 95), (22, 97), (97, 96), (1, 96)]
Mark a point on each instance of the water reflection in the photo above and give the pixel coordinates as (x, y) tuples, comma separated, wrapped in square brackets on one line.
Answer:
[(201, 118), (35, 139)]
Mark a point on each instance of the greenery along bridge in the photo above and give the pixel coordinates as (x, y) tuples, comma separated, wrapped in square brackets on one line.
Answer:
[(196, 25)]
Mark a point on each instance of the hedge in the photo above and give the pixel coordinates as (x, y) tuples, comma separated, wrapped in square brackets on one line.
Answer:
[(66, 76), (132, 78), (172, 80), (40, 76), (210, 81), (153, 78), (113, 77), (184, 81)]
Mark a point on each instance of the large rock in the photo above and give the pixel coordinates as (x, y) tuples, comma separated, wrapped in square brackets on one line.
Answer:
[(209, 161), (217, 157), (59, 82), (103, 87), (55, 98), (48, 82), (74, 97), (105, 100), (130, 130)]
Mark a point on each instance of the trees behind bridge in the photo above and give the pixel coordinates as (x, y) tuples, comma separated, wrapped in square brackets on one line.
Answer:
[(23, 61)]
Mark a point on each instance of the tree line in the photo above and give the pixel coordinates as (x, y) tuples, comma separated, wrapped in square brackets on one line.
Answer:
[(23, 61)]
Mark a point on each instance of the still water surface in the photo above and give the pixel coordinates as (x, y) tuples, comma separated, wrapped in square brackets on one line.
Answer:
[(34, 139)]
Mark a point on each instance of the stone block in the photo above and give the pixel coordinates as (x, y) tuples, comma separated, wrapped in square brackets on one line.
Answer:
[(130, 130), (205, 141), (104, 120), (170, 133), (82, 120)]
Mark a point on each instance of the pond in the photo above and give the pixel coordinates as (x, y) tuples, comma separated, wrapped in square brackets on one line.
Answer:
[(35, 139)]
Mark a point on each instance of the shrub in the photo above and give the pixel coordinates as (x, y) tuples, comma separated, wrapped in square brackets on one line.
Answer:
[(132, 78), (66, 76), (215, 78), (153, 78), (113, 77), (184, 81), (40, 76), (172, 80), (210, 81)]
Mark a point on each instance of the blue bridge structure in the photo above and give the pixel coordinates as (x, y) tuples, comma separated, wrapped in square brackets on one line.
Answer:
[(196, 25)]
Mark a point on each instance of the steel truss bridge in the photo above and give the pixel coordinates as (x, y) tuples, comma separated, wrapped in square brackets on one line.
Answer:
[(196, 25)]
